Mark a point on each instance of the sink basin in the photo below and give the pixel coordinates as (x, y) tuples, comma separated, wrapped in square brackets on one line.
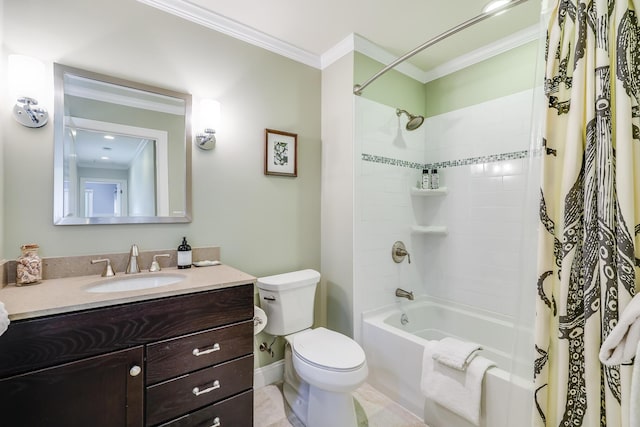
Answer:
[(134, 283)]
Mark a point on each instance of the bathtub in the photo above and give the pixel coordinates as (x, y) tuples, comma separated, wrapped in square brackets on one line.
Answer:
[(394, 355)]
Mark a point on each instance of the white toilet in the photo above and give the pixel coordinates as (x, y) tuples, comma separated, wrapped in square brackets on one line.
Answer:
[(322, 367)]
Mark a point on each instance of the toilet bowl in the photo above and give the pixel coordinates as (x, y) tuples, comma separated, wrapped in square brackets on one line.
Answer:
[(329, 360), (322, 367)]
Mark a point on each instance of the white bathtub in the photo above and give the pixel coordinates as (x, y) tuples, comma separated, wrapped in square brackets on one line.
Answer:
[(394, 356)]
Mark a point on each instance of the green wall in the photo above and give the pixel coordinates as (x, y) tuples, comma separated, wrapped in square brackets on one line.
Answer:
[(392, 88), (501, 75)]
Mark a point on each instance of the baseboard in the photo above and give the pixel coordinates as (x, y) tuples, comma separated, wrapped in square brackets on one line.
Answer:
[(270, 374)]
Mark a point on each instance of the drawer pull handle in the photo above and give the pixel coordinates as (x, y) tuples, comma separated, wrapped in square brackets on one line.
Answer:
[(270, 298), (198, 352), (196, 390), (216, 422)]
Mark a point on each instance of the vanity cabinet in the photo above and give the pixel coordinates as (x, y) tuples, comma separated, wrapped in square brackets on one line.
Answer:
[(184, 360), (97, 388)]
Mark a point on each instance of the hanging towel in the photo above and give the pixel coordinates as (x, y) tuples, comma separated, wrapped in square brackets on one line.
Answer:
[(458, 391), (620, 346), (4, 319), (634, 396), (454, 353)]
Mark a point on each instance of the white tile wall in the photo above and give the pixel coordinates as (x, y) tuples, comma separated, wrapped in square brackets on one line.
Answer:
[(478, 262)]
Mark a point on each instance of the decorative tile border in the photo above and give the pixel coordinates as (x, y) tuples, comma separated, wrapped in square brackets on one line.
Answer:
[(391, 162), (446, 164)]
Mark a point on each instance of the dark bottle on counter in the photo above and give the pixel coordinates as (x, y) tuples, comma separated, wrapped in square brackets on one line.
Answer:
[(184, 254)]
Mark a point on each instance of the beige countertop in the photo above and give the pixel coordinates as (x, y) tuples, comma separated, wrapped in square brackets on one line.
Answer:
[(57, 296)]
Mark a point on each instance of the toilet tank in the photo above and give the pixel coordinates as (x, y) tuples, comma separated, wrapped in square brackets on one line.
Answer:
[(288, 301)]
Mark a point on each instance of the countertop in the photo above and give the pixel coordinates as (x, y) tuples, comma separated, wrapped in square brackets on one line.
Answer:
[(56, 296)]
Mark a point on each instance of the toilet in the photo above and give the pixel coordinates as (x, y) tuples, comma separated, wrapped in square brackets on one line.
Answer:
[(322, 367)]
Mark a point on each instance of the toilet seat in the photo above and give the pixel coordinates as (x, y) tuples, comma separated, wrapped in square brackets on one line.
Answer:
[(329, 350)]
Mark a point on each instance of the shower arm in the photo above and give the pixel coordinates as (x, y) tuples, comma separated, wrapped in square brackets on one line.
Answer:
[(357, 89)]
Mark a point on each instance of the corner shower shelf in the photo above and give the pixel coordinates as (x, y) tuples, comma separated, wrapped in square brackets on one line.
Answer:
[(428, 192), (432, 229)]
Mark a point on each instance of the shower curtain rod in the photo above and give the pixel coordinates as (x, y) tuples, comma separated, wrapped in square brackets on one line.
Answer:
[(357, 89)]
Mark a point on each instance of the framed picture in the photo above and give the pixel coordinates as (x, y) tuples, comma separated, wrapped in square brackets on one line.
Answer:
[(281, 153)]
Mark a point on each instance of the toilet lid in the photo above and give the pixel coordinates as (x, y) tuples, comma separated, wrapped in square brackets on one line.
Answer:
[(328, 349)]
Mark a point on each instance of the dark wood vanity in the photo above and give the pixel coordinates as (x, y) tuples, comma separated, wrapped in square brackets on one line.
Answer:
[(184, 360)]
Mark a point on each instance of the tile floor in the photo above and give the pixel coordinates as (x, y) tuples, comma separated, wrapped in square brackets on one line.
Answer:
[(373, 409)]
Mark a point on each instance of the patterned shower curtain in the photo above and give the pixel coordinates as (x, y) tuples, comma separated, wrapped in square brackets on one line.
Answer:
[(589, 210)]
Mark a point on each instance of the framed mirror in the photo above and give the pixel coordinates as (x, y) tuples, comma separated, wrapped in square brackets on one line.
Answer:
[(122, 151)]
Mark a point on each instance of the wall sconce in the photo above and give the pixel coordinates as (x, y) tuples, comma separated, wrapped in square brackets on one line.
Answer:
[(26, 85), (209, 117)]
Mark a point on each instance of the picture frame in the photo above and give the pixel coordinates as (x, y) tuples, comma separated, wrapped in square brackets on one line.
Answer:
[(281, 153)]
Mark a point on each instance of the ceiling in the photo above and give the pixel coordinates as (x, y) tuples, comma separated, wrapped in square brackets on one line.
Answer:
[(396, 26)]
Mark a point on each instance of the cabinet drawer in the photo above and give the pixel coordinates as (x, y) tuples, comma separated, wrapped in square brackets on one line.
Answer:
[(236, 411), (181, 395), (170, 358)]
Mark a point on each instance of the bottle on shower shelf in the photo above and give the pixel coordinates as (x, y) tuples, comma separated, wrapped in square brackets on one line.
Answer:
[(435, 179), (426, 180)]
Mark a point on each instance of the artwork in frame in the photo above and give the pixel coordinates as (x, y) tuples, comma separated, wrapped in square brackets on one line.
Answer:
[(281, 153)]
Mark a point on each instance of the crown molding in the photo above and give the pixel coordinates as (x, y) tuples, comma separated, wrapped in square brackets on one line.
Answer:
[(346, 46), (354, 42), (377, 53), (517, 39), (199, 15)]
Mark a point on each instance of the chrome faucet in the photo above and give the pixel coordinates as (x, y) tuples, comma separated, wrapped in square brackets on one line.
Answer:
[(133, 266), (108, 270), (404, 294), (155, 265)]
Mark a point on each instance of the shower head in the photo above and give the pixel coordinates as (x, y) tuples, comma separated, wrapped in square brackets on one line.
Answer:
[(414, 121)]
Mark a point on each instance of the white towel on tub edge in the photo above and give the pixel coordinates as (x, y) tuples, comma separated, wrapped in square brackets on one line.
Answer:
[(4, 319), (455, 353), (458, 391)]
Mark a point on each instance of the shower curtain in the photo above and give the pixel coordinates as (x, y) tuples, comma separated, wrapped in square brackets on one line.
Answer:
[(589, 210)]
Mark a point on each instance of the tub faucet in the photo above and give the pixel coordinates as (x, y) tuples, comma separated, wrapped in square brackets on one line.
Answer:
[(133, 266), (399, 251), (404, 294)]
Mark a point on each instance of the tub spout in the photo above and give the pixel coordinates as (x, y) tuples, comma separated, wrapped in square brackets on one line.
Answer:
[(404, 294)]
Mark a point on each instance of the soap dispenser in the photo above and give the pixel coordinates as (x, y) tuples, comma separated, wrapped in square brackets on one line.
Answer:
[(184, 254)]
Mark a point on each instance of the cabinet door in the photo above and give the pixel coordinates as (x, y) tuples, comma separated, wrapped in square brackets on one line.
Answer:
[(101, 391)]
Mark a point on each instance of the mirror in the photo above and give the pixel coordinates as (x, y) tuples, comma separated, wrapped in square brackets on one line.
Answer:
[(122, 151)]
